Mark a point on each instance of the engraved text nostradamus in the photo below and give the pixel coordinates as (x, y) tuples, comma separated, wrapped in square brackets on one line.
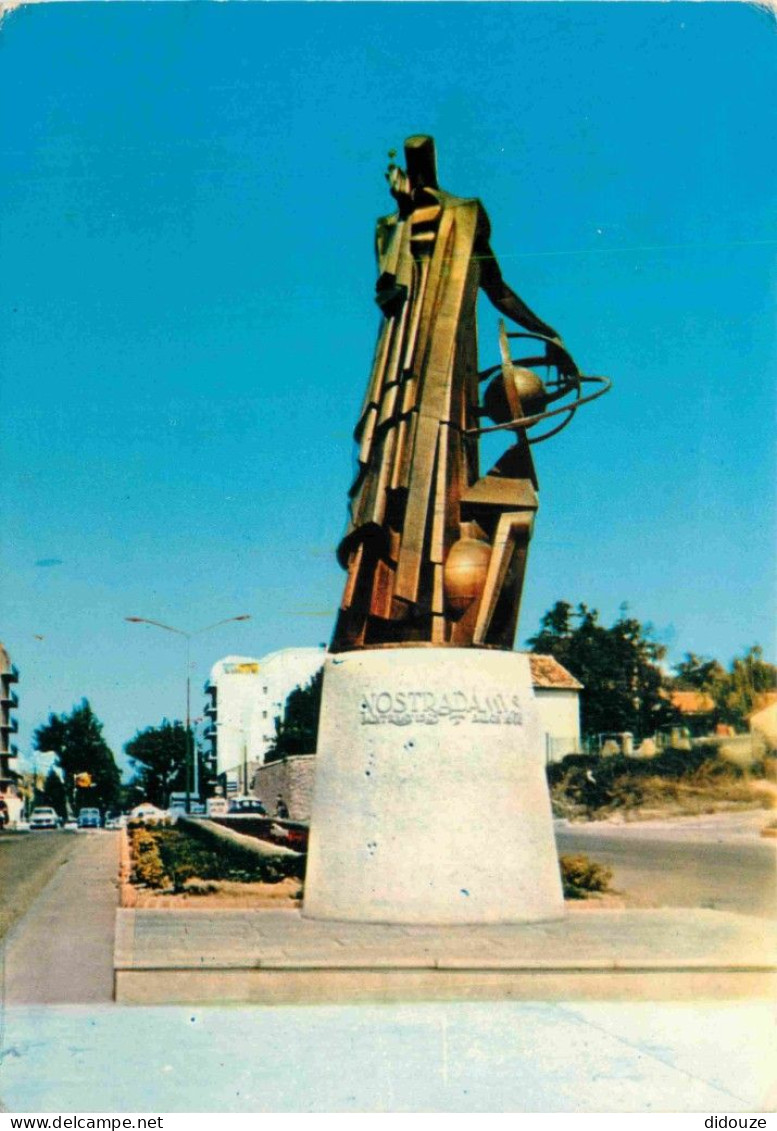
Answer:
[(401, 708)]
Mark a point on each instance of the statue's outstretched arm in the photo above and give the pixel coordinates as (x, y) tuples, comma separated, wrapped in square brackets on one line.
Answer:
[(508, 303), (505, 299)]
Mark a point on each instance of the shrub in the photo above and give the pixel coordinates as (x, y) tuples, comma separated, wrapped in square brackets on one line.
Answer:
[(147, 865), (580, 876)]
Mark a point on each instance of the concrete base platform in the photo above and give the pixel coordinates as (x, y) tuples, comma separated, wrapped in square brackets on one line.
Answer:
[(426, 758), (276, 957)]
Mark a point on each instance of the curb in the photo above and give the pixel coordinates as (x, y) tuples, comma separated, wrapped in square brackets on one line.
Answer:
[(128, 896)]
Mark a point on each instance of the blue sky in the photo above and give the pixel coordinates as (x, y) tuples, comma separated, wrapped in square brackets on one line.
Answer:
[(186, 215)]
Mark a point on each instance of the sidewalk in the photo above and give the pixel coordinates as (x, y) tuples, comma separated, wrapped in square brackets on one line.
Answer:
[(439, 1057), (61, 950), (280, 957)]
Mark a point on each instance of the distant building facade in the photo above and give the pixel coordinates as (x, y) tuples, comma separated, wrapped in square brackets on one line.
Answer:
[(10, 797), (244, 697), (557, 695)]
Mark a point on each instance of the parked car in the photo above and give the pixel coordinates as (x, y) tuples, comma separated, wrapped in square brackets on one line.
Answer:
[(148, 812), (44, 817), (71, 823), (247, 805), (119, 822), (90, 819), (216, 806)]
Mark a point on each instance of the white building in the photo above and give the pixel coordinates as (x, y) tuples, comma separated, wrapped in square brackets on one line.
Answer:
[(557, 694), (246, 695)]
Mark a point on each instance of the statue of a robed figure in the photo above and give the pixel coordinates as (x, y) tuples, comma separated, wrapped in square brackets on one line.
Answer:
[(436, 550), (425, 706)]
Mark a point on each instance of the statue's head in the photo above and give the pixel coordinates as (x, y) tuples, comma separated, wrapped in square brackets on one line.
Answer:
[(421, 162)]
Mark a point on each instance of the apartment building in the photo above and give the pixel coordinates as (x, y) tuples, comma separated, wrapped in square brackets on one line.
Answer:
[(10, 799), (244, 697)]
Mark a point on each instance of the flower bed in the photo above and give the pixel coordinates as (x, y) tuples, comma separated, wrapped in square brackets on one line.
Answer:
[(171, 861)]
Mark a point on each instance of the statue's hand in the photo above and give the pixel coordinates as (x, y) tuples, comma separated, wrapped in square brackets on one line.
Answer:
[(399, 183), (559, 355)]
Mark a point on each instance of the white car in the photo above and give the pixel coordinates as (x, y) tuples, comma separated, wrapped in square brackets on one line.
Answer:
[(44, 818), (148, 812)]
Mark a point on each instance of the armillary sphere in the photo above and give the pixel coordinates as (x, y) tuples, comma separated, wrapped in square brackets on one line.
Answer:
[(518, 399)]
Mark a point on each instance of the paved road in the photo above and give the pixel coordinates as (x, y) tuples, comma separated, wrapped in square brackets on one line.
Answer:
[(62, 950), (27, 863), (673, 870)]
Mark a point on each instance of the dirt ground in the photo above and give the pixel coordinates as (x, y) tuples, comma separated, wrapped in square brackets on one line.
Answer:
[(224, 894)]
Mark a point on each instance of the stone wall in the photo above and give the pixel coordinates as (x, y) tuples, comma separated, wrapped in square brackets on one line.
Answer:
[(293, 779)]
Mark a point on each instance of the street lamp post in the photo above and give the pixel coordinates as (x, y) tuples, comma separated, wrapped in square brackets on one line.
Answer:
[(188, 637)]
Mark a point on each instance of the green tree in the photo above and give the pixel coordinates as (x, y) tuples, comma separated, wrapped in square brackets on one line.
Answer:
[(53, 793), (618, 667), (737, 692), (159, 754), (78, 741), (697, 673), (297, 731)]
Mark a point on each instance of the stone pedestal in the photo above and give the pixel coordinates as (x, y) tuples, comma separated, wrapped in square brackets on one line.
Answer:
[(430, 803)]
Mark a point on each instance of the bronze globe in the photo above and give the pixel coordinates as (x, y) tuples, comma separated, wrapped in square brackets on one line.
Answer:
[(530, 389), (464, 573)]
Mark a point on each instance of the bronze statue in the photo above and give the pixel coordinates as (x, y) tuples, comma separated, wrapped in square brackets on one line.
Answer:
[(435, 551)]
